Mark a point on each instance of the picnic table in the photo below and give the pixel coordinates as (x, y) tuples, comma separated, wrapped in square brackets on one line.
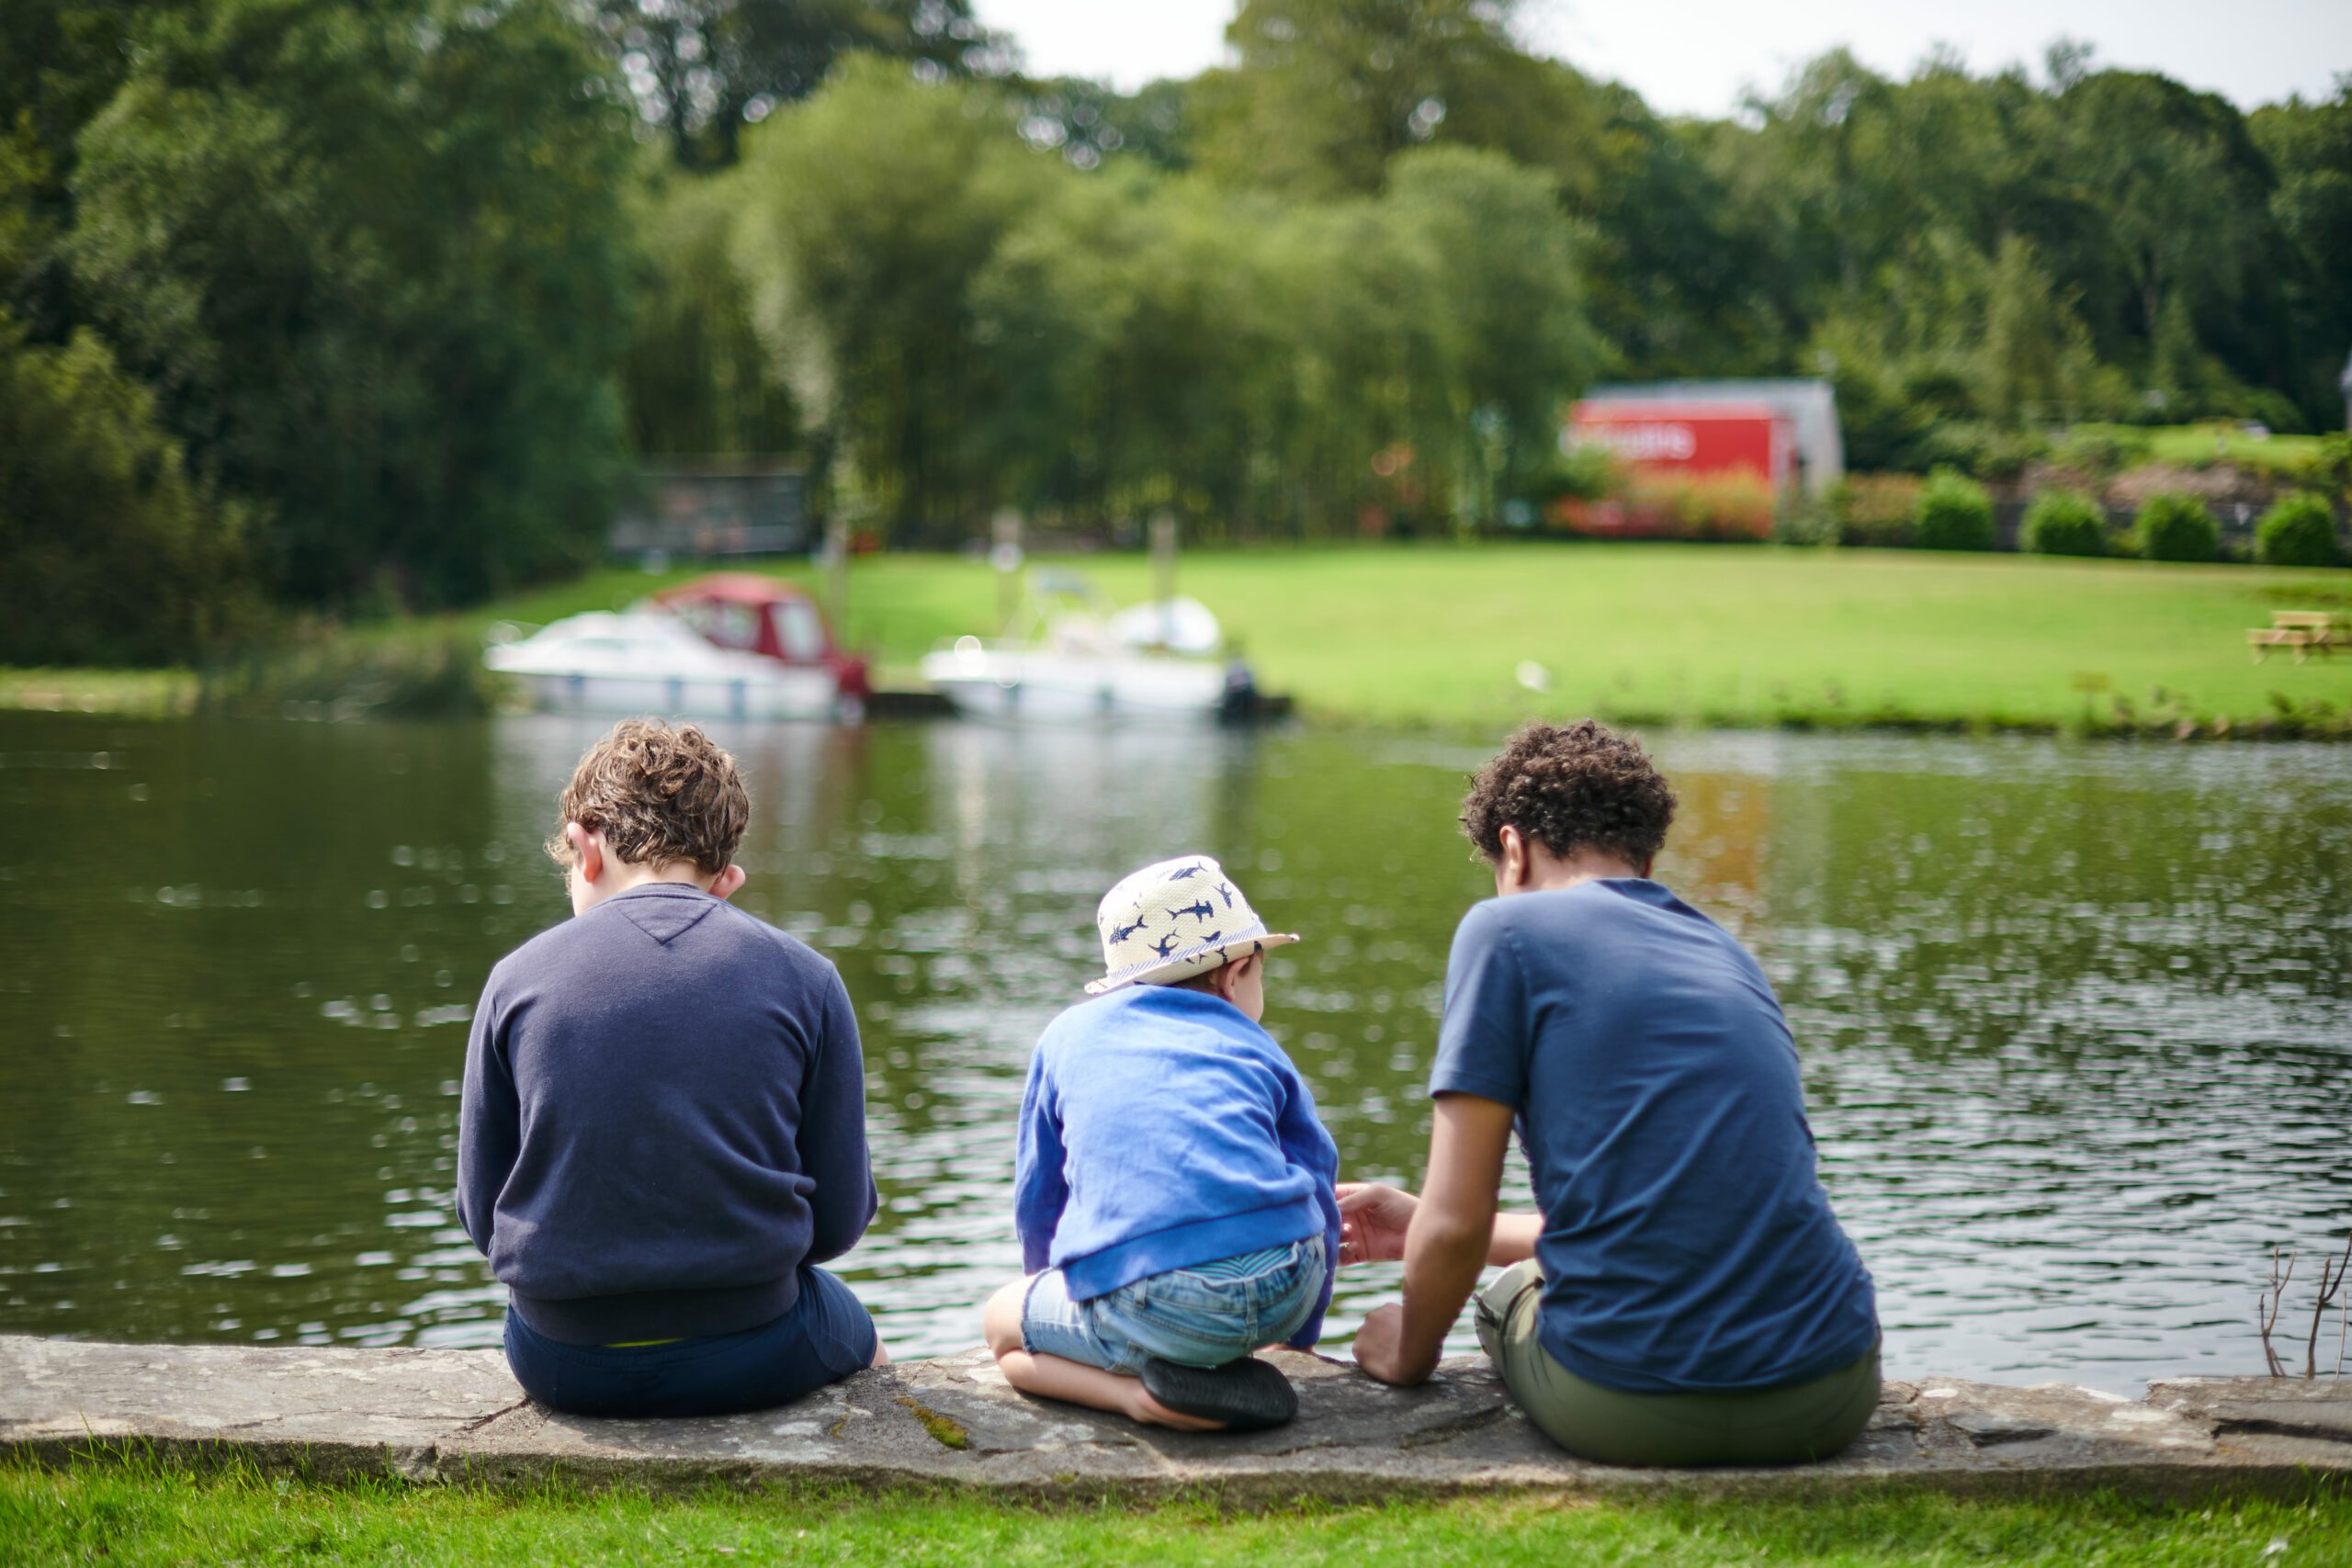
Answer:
[(2303, 631)]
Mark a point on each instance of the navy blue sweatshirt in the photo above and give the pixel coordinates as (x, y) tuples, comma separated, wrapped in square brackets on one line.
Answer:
[(664, 1118)]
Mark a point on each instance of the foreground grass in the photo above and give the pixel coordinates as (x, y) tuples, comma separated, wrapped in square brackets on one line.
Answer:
[(1476, 638), (149, 1515), (1725, 635)]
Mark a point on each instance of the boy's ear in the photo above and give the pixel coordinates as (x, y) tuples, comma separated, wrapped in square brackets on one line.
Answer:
[(587, 850), (1228, 978), (724, 885)]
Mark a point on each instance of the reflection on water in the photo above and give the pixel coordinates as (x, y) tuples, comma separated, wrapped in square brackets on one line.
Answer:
[(2076, 1021)]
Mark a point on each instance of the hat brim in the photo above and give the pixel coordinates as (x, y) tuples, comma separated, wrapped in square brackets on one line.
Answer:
[(1184, 966)]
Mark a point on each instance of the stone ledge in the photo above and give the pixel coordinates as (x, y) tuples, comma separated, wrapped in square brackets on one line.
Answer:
[(457, 1416)]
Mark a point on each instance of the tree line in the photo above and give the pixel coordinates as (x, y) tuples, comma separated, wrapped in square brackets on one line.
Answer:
[(318, 305)]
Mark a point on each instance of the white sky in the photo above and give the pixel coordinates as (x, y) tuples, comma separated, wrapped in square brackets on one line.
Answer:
[(1695, 56)]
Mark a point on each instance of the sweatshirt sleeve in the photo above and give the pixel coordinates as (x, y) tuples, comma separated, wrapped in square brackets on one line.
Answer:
[(1040, 1192), (1308, 1144), (833, 1134), (489, 1120)]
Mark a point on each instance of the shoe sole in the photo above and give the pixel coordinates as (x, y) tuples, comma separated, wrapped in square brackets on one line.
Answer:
[(1247, 1395)]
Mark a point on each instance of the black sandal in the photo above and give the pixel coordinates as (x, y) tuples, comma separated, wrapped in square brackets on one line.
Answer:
[(1247, 1395)]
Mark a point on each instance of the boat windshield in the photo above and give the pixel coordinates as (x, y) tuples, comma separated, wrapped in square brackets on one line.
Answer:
[(798, 632)]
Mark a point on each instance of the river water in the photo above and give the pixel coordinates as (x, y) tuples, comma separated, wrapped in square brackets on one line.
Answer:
[(2076, 1021)]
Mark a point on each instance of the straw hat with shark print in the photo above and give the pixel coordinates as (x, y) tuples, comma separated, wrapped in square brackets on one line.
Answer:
[(1171, 922)]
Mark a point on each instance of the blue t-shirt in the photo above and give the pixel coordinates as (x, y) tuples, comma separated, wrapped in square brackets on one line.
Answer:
[(1687, 1243)]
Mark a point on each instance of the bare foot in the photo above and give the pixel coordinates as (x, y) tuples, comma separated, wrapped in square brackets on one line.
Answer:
[(1142, 1408)]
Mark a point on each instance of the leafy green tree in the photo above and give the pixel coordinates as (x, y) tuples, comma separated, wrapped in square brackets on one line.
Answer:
[(1509, 266), (701, 70), (110, 551), (2036, 353), (1684, 273), (2309, 147), (372, 264), (2183, 195), (1327, 91), (1091, 124), (696, 377), (868, 210)]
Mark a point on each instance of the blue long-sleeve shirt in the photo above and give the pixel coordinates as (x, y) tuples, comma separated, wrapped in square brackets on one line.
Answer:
[(663, 1117), (1162, 1129)]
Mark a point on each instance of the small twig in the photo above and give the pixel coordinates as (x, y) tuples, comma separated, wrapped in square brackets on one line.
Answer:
[(2266, 1307), (2331, 1285)]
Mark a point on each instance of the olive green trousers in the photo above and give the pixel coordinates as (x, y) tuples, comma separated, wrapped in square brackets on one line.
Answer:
[(1774, 1426)]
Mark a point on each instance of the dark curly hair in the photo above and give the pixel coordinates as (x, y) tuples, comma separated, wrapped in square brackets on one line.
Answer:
[(1571, 787), (657, 794)]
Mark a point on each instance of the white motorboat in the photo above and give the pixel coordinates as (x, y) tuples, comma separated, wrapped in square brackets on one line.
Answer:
[(649, 660), (1083, 663)]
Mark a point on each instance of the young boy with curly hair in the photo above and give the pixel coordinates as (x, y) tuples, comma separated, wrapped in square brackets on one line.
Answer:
[(1685, 1296), (663, 1125)]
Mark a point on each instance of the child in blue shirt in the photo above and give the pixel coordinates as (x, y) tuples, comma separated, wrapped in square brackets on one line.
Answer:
[(1173, 1187)]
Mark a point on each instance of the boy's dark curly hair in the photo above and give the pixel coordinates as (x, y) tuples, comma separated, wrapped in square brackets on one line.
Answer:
[(1569, 787), (659, 794)]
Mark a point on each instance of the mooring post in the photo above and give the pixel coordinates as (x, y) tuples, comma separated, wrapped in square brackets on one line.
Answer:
[(1004, 554), (833, 565), (1163, 572)]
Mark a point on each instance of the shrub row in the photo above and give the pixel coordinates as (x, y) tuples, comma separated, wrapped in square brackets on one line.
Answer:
[(1950, 511)]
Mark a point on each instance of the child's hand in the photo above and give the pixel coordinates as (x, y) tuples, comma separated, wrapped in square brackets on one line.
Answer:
[(1372, 1221), (1380, 1347)]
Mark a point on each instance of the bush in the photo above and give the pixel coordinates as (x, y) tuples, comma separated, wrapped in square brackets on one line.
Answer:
[(1806, 518), (1875, 509), (2175, 528), (1986, 452), (1588, 471), (112, 551), (2333, 466), (2102, 451), (1736, 504), (2063, 523), (2299, 531), (1951, 512)]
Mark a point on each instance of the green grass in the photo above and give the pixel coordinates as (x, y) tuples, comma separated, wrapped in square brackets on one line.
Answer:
[(1695, 634), (2194, 446), (130, 692), (1435, 635), (147, 1514)]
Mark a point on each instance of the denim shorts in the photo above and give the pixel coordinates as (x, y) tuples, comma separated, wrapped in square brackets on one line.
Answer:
[(824, 1338), (1187, 1316)]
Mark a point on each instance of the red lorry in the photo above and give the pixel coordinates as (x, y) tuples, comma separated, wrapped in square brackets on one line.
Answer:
[(1707, 470)]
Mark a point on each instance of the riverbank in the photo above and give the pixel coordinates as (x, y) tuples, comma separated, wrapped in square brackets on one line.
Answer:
[(213, 1452), (1474, 638)]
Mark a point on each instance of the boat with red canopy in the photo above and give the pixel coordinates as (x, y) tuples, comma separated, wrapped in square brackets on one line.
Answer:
[(728, 645)]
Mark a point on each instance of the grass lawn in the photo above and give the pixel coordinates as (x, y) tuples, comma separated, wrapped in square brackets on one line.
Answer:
[(145, 1515), (136, 692), (1441, 635), (2186, 445), (1722, 635)]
